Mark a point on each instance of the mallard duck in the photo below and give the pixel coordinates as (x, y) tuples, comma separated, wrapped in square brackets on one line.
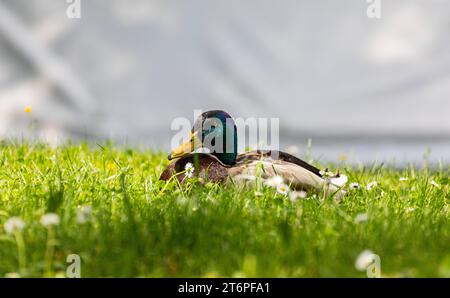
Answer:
[(216, 131)]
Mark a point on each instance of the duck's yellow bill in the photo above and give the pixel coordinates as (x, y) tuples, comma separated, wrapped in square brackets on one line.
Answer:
[(185, 148)]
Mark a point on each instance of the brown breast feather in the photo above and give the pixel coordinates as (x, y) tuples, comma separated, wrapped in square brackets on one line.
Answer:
[(207, 168)]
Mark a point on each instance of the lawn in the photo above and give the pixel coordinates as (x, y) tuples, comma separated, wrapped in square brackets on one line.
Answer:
[(122, 221)]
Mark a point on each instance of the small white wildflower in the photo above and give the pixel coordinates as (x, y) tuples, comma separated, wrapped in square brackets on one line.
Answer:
[(355, 185), (446, 208), (435, 184), (372, 185), (364, 259), (50, 219), (295, 195), (274, 181), (189, 170), (84, 214), (14, 224), (181, 201), (283, 189), (403, 179), (339, 181), (361, 217), (410, 209)]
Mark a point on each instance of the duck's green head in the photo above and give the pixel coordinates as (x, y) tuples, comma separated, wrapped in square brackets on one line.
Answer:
[(214, 131)]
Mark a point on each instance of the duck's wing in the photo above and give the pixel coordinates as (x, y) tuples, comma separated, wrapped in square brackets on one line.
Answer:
[(275, 155), (296, 172), (168, 172)]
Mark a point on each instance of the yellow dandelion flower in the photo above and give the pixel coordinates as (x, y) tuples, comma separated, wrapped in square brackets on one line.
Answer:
[(111, 166), (27, 109), (343, 157)]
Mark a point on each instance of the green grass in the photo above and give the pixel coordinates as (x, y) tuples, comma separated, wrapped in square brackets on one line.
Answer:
[(140, 226)]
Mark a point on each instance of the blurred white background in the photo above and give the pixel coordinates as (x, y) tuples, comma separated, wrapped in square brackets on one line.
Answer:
[(367, 88)]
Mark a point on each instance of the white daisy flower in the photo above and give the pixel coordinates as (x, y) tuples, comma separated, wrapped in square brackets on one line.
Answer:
[(410, 209), (283, 189), (181, 201), (364, 259), (295, 195), (50, 219), (339, 181), (84, 214), (14, 224), (446, 208), (355, 185), (361, 217), (403, 179), (189, 170), (372, 185), (274, 181), (435, 184)]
